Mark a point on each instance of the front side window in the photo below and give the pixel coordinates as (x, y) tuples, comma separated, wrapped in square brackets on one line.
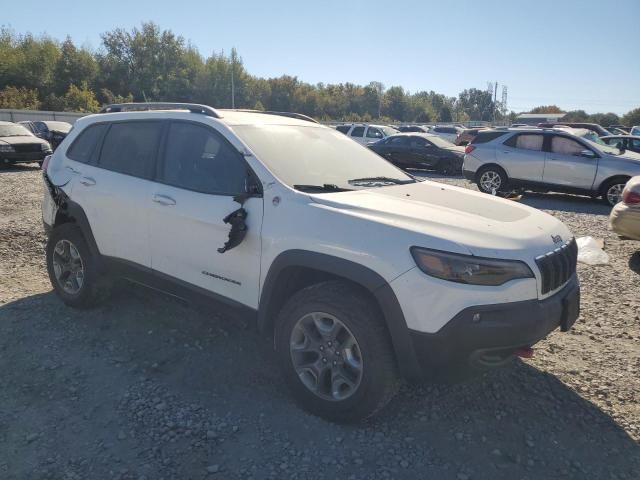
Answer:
[(41, 127), (374, 133), (566, 146), (343, 128), (402, 140), (85, 145), (310, 155), (196, 158), (357, 132), (130, 148), (417, 142)]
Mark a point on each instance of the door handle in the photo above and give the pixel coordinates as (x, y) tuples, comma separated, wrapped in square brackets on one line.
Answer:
[(164, 200), (87, 181), (71, 169)]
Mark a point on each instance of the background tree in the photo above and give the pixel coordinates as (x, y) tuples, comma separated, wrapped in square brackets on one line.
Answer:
[(19, 98), (546, 109), (631, 118)]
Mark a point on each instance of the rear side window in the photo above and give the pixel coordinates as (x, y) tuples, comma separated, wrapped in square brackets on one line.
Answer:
[(399, 140), (197, 158), (526, 141), (130, 148), (484, 137), (343, 128), (357, 132), (85, 146)]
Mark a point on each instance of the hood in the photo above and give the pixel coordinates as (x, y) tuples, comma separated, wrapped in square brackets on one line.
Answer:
[(478, 223), (21, 140)]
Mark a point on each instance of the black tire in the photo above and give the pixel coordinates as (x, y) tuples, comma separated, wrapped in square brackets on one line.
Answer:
[(496, 170), (95, 286), (379, 379), (608, 185)]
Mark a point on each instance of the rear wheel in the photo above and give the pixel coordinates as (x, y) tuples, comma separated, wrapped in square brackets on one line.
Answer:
[(73, 270), (492, 179), (335, 352)]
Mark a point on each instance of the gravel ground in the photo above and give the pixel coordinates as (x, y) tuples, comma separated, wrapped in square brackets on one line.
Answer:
[(145, 387)]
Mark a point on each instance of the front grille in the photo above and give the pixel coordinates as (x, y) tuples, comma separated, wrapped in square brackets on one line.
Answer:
[(27, 147), (558, 266)]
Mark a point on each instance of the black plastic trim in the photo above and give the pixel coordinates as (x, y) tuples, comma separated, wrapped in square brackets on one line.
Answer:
[(363, 276), (500, 328)]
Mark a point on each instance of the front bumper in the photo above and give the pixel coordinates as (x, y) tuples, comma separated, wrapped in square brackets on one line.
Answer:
[(23, 157), (489, 335)]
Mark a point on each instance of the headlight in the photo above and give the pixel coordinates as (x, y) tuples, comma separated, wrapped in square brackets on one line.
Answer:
[(6, 148), (469, 269), (45, 147)]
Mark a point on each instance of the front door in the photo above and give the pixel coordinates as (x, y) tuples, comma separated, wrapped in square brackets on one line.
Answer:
[(567, 165), (200, 174)]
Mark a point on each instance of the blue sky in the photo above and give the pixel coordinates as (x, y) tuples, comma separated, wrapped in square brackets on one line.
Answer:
[(576, 54)]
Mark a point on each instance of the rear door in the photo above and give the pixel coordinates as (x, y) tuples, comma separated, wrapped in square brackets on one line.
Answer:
[(566, 164), (422, 152), (114, 192), (523, 156), (397, 150), (199, 175)]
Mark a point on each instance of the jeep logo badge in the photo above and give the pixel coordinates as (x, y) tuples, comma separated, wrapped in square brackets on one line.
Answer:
[(556, 238)]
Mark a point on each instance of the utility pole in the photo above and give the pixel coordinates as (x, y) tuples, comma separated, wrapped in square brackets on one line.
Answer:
[(495, 98), (233, 88)]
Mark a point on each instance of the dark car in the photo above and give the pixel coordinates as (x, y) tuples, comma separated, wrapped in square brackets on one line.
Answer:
[(51, 131), (624, 142), (594, 127), (421, 150), (19, 145), (412, 129)]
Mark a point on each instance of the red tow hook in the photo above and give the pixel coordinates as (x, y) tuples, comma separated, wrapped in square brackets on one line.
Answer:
[(526, 352)]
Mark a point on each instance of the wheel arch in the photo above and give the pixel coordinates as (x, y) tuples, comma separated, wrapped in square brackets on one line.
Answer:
[(609, 180), (293, 270), (71, 212)]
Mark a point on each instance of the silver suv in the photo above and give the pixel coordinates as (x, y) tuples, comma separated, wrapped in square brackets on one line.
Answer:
[(548, 160)]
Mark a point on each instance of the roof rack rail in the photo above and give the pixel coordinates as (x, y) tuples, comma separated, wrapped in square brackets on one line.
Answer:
[(299, 116), (141, 106)]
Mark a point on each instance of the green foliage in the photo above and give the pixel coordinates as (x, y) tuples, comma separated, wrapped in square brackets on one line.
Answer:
[(546, 109), (148, 63), (632, 118), (19, 98)]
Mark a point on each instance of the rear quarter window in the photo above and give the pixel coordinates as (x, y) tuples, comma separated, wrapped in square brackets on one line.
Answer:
[(85, 146)]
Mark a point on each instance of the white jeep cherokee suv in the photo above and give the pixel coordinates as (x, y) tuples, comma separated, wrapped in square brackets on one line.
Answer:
[(362, 273)]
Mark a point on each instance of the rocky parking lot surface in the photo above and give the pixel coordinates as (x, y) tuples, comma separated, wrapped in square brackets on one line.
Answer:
[(145, 387)]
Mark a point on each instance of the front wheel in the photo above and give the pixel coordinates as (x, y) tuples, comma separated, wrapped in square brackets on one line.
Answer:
[(612, 191), (335, 352)]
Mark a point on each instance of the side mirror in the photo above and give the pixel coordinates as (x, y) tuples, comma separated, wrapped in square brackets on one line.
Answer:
[(587, 154)]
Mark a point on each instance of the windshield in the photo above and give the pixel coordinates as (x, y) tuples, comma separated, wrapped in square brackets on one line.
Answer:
[(14, 131), (63, 127), (602, 147), (312, 155), (389, 130)]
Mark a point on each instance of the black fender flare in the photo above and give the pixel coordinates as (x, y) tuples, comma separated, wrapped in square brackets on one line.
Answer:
[(357, 273), (71, 212)]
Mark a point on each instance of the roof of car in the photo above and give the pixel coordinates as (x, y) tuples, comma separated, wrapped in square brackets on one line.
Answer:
[(414, 134)]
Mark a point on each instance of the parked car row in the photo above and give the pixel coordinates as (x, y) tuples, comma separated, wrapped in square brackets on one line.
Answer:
[(548, 160), (51, 131)]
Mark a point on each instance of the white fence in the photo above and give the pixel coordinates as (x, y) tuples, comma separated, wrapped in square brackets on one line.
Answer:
[(8, 115)]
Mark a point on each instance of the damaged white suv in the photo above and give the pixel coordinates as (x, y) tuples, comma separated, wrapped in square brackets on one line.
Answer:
[(362, 273)]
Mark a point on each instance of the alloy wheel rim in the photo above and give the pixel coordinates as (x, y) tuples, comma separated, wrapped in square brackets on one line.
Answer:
[(68, 267), (326, 356), (490, 181), (614, 193)]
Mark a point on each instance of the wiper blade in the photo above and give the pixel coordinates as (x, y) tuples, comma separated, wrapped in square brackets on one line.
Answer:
[(327, 187), (381, 180)]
